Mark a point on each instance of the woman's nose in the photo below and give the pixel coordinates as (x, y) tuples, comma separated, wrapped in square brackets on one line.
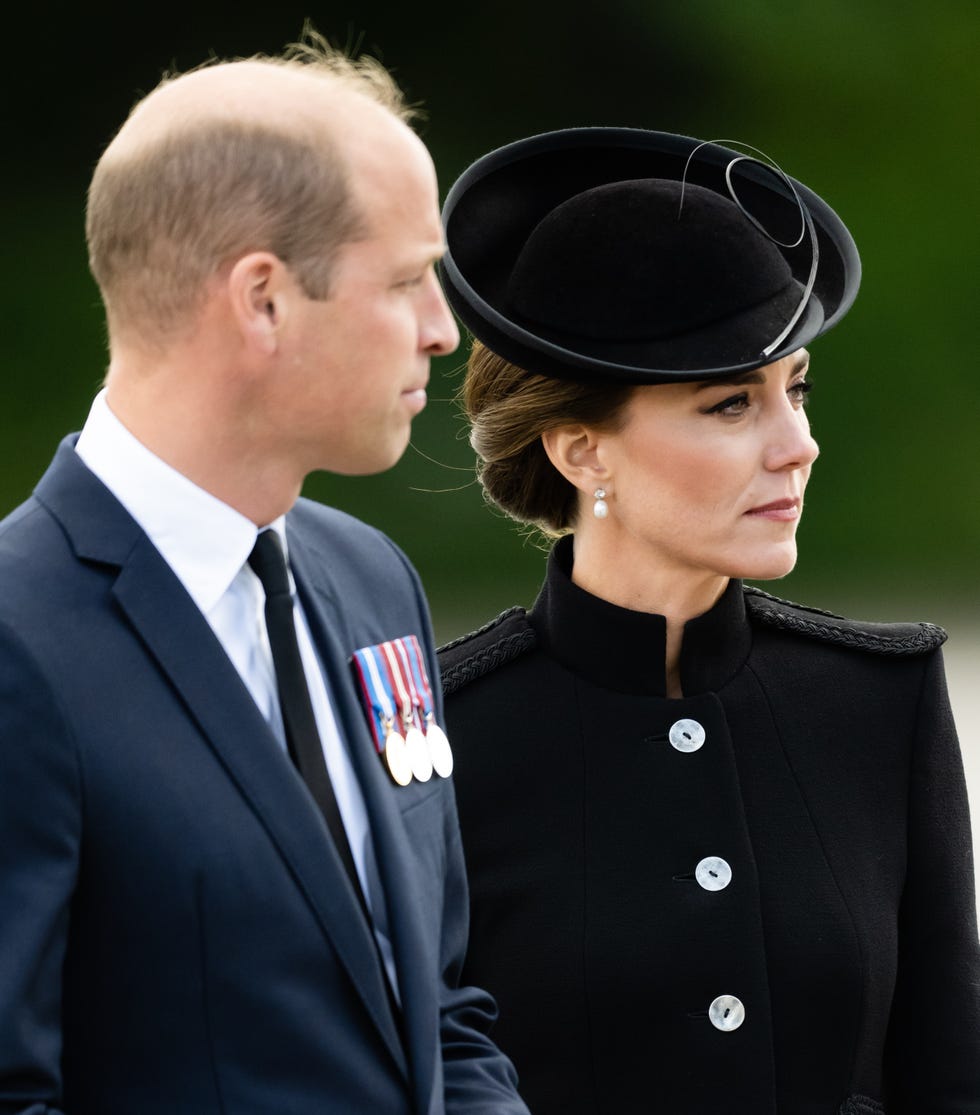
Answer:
[(792, 445)]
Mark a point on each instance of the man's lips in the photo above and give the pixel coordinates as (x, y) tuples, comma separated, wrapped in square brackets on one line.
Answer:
[(416, 398), (781, 510)]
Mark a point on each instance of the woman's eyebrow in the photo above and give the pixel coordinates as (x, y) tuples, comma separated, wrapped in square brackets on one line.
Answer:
[(733, 381), (800, 364)]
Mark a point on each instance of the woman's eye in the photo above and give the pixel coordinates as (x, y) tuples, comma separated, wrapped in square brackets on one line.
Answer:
[(735, 404), (799, 391)]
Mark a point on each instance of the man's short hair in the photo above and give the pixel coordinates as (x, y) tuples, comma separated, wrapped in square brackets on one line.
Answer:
[(160, 222)]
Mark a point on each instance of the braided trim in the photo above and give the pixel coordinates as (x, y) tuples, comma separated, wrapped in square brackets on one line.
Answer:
[(753, 590), (861, 1105), (489, 658), (458, 642), (925, 637)]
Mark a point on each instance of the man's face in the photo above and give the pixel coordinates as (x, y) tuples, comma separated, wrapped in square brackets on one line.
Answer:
[(356, 365)]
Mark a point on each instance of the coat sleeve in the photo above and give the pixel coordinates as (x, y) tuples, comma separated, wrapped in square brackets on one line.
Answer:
[(934, 1035), (40, 823), (479, 1079)]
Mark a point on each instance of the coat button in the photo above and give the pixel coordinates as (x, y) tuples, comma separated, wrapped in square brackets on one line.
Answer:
[(726, 1013), (686, 735), (713, 873)]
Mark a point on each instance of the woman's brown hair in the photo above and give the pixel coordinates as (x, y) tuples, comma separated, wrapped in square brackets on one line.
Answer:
[(509, 409)]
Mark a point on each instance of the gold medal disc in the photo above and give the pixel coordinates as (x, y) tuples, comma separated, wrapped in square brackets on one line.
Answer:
[(396, 757)]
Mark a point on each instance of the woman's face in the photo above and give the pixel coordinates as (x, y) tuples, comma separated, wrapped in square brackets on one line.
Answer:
[(708, 478)]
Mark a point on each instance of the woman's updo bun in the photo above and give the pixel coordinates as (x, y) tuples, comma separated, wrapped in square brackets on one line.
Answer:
[(509, 409)]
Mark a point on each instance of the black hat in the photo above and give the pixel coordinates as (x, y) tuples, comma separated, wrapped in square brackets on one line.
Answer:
[(641, 257)]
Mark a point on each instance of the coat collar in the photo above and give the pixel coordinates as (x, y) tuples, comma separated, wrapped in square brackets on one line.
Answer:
[(185, 649), (202, 538), (623, 650)]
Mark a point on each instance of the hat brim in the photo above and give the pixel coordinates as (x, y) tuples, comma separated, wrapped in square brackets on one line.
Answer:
[(493, 207)]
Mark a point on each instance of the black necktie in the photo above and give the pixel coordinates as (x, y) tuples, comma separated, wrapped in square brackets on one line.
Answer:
[(302, 738)]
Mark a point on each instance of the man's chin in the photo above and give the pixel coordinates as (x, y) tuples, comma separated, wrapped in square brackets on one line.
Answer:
[(373, 460)]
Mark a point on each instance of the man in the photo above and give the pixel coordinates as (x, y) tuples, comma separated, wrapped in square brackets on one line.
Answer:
[(201, 910)]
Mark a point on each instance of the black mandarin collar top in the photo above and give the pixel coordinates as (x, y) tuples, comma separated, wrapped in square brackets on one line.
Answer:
[(619, 649)]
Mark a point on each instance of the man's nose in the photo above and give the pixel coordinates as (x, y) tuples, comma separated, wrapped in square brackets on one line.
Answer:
[(440, 335)]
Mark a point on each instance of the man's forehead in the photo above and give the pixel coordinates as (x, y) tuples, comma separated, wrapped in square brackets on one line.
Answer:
[(286, 98), (385, 158)]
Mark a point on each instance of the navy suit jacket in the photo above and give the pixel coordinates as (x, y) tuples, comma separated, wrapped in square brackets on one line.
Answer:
[(177, 933)]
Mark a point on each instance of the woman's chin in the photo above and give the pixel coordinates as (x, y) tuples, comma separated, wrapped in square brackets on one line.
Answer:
[(768, 567)]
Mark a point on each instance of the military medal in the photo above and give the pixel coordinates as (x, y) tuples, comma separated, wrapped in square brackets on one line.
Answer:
[(419, 747), (418, 754), (440, 753), (372, 675), (398, 699), (397, 757), (439, 749), (400, 675)]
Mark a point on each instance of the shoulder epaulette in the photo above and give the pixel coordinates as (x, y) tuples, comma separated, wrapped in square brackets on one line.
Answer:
[(474, 655), (896, 639)]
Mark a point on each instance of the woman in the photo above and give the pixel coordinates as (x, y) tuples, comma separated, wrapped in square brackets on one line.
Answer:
[(718, 843)]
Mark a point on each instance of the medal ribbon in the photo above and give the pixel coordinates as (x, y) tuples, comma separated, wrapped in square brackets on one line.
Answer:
[(420, 678), (404, 701), (404, 653), (370, 668), (440, 752)]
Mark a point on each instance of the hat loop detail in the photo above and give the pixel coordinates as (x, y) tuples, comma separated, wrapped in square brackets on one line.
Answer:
[(806, 221)]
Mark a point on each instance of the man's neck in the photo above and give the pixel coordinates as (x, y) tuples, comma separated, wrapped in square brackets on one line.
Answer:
[(196, 433)]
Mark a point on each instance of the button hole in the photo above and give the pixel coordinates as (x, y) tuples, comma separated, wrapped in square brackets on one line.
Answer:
[(689, 878), (697, 1014), (655, 739)]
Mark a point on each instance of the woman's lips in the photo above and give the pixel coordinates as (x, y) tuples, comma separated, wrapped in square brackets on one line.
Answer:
[(780, 510)]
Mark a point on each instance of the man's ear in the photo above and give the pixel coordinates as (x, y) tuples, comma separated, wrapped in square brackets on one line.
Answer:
[(259, 289), (576, 452)]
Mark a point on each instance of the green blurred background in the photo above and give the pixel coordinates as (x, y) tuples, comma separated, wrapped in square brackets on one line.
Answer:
[(873, 103)]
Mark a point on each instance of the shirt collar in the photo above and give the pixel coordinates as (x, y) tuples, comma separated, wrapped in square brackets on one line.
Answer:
[(203, 540), (623, 650)]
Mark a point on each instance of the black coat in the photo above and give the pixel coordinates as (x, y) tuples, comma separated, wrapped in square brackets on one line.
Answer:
[(829, 782)]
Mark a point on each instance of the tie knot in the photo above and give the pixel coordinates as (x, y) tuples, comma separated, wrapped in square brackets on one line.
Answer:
[(269, 564)]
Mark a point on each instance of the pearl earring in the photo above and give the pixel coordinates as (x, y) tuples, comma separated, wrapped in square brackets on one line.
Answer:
[(600, 508)]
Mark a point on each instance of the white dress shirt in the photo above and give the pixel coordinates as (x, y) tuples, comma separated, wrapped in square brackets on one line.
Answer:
[(207, 543)]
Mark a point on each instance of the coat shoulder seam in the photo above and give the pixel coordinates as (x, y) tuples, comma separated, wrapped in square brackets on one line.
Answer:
[(480, 652)]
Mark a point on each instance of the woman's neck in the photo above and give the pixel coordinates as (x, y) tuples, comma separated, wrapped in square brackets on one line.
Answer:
[(635, 578)]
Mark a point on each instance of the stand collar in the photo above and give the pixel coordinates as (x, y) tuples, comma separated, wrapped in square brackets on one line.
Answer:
[(619, 649)]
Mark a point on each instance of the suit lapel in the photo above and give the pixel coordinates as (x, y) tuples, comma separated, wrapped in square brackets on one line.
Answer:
[(415, 951), (186, 650)]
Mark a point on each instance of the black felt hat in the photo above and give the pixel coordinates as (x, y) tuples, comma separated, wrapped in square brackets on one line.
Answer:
[(641, 257)]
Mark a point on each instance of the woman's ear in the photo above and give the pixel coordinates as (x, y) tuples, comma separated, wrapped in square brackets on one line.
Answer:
[(575, 451), (258, 291)]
